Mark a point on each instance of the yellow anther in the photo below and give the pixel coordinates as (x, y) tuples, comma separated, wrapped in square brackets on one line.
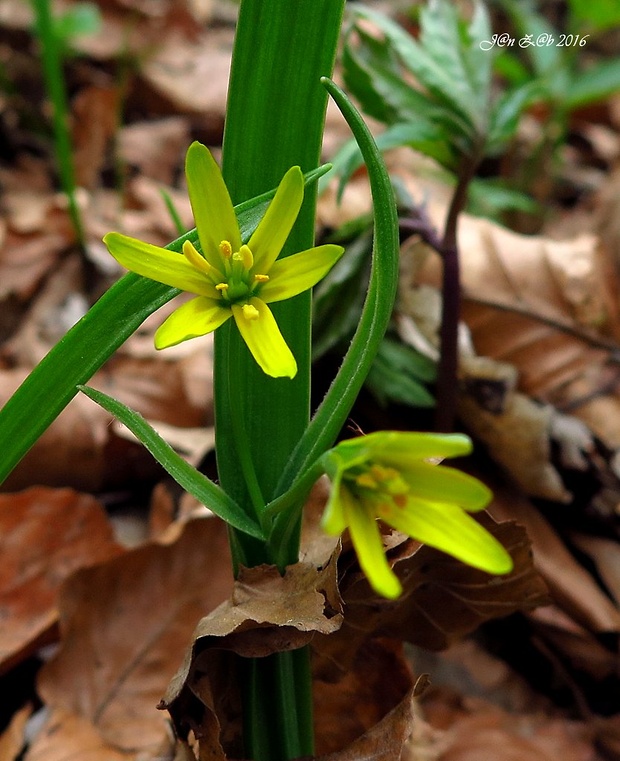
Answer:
[(246, 256), (194, 258), (221, 287), (261, 278), (226, 249), (381, 473), (400, 500), (365, 479), (250, 312)]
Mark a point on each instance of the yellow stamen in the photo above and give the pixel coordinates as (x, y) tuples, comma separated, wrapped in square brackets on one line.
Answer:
[(365, 479), (225, 249), (194, 258), (221, 287), (400, 500), (246, 256), (250, 312), (261, 278), (381, 473)]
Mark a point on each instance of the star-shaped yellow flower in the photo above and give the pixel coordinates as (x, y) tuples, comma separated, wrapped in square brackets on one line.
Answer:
[(230, 278), (391, 476)]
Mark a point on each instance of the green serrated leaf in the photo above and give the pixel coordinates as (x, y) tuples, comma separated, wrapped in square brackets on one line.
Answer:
[(406, 359), (478, 62), (194, 482), (396, 376), (594, 84), (506, 112), (489, 198)]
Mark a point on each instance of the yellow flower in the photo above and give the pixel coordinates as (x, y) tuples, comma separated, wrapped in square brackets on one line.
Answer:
[(390, 476), (230, 278)]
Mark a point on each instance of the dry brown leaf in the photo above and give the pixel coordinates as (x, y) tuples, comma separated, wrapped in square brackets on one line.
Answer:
[(571, 586), (66, 737), (605, 554), (550, 309), (12, 739), (95, 122), (564, 641), (515, 429), (368, 714), (193, 74), (79, 449), (156, 148), (483, 732), (267, 613), (46, 535), (120, 646), (443, 599), (25, 260)]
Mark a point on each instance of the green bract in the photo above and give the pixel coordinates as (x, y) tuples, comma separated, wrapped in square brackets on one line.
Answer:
[(391, 476), (229, 277)]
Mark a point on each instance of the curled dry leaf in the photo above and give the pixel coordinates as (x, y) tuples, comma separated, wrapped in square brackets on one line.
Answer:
[(46, 535), (95, 121), (267, 613), (515, 429), (120, 646)]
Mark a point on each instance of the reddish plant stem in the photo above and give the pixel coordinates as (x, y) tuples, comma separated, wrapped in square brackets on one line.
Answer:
[(447, 247)]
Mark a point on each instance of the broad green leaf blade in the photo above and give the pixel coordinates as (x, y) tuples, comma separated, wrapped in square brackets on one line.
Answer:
[(194, 482), (75, 359)]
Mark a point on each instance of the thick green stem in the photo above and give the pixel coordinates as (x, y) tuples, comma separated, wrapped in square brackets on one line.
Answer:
[(275, 116)]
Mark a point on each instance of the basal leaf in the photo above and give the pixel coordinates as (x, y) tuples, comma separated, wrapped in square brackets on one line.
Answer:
[(194, 482)]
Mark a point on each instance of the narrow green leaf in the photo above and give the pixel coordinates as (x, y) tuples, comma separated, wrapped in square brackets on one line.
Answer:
[(194, 482), (333, 411)]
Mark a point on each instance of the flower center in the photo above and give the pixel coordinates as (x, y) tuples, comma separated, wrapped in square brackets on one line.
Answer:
[(378, 485), (235, 282)]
